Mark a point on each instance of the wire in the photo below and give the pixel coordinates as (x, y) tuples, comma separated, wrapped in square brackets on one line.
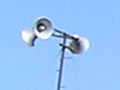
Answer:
[(74, 75), (46, 73)]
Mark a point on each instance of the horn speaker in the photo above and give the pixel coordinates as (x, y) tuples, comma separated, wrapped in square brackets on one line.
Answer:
[(43, 28), (79, 46), (28, 37)]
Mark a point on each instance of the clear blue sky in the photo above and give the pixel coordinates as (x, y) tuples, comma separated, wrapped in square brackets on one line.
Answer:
[(25, 68)]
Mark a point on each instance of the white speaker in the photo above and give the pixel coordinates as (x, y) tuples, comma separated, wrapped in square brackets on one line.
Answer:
[(43, 28), (28, 37), (79, 46)]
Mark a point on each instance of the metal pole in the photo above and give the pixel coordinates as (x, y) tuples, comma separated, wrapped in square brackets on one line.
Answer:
[(61, 64)]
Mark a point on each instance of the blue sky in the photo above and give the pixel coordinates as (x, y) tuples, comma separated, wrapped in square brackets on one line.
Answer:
[(25, 68)]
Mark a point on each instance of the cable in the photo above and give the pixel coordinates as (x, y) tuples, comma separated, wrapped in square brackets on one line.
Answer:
[(46, 73)]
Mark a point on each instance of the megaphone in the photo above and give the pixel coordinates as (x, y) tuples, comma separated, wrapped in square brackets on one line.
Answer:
[(28, 37), (43, 28), (79, 45)]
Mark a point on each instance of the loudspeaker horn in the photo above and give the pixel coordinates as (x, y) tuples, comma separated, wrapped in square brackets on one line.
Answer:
[(28, 37), (43, 28), (80, 45)]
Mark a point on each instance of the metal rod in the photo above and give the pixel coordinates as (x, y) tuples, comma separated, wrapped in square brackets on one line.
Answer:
[(58, 36), (63, 33), (61, 64), (58, 31)]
